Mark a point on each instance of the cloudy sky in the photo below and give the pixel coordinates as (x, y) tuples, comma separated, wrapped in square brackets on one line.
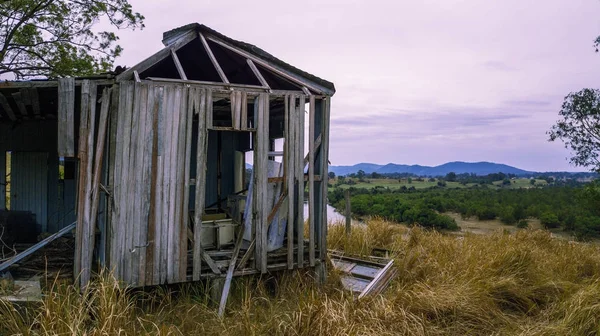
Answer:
[(418, 82)]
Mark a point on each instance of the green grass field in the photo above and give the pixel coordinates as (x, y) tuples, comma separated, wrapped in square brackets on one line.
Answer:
[(397, 184)]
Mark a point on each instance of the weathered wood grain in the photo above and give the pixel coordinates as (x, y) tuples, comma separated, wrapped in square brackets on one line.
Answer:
[(66, 116), (311, 182), (201, 150)]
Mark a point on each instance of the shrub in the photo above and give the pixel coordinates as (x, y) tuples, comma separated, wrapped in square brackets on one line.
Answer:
[(523, 224)]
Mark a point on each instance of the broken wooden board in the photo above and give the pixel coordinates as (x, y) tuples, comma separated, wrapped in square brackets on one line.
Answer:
[(363, 276), (24, 291)]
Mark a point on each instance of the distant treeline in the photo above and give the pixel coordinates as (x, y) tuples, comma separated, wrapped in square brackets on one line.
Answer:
[(474, 178), (575, 209)]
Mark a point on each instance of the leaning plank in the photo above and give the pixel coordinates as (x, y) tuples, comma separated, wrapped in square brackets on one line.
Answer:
[(311, 182), (213, 59), (37, 246), (97, 173), (376, 282), (201, 148), (88, 227), (6, 107), (211, 263), (236, 251), (66, 116)]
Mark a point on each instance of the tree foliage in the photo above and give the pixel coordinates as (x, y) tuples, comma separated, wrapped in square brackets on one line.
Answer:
[(579, 127), (56, 38)]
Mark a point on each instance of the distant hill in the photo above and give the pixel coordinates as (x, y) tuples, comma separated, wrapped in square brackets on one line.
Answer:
[(479, 168)]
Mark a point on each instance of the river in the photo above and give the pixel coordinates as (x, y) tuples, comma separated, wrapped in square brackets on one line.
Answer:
[(332, 214)]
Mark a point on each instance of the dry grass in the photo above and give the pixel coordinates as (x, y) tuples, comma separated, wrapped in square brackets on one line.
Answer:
[(523, 283)]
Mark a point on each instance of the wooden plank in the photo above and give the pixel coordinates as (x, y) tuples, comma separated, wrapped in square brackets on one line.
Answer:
[(66, 117), (134, 174), (244, 112), (324, 175), (87, 128), (191, 106), (111, 161), (15, 259), (211, 263), (178, 65), (260, 197), (97, 173), (35, 101), (6, 107), (202, 147), (159, 94), (257, 73), (218, 86), (290, 168), (136, 76), (228, 278), (311, 182), (124, 255), (180, 232), (173, 253), (247, 255), (153, 102), (147, 147), (300, 178), (234, 110), (213, 59), (208, 103), (20, 104), (157, 57), (81, 181), (115, 266)]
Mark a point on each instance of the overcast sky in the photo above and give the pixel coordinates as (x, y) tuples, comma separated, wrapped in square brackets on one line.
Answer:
[(420, 81)]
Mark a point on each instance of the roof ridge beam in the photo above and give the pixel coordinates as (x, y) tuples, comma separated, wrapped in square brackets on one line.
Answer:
[(213, 59), (264, 64)]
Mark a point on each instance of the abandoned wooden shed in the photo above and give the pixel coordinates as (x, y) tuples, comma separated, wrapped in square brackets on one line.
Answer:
[(151, 163)]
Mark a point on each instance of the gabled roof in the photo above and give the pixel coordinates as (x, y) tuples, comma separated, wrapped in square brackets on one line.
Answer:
[(276, 69)]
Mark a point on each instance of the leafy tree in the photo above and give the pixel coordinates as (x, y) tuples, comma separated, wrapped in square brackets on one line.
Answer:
[(579, 127), (409, 180), (56, 38), (360, 174), (331, 175), (451, 177)]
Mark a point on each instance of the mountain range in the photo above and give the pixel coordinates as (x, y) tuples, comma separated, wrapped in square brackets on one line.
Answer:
[(458, 167)]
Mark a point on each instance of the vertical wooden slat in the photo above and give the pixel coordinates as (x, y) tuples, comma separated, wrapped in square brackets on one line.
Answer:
[(311, 181), (151, 232), (112, 145), (201, 150), (147, 182), (260, 196), (300, 177), (85, 174), (290, 168), (160, 95), (81, 183), (192, 99), (124, 199), (117, 187), (66, 116), (179, 170), (97, 172), (324, 178), (209, 108), (244, 112)]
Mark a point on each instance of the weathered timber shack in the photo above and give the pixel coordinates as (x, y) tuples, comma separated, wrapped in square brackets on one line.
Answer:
[(150, 163)]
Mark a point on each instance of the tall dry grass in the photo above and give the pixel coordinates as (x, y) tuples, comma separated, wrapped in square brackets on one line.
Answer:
[(525, 283)]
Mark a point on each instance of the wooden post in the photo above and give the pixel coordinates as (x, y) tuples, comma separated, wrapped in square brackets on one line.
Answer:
[(348, 212), (201, 152), (260, 197)]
